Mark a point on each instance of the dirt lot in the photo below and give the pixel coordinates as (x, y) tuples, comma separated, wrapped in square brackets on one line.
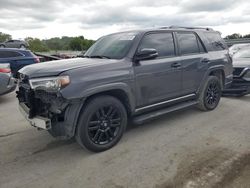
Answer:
[(183, 149)]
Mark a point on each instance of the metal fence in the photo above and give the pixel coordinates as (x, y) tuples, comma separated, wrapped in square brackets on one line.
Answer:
[(231, 42)]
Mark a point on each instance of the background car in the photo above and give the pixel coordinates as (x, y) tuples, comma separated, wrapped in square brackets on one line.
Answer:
[(241, 74), (14, 44), (236, 47), (7, 82), (17, 58)]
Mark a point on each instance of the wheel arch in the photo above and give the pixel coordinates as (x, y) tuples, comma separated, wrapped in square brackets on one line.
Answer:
[(220, 74), (214, 71), (119, 91), (119, 94)]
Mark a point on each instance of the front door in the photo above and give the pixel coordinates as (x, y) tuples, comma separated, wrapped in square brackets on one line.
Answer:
[(158, 79)]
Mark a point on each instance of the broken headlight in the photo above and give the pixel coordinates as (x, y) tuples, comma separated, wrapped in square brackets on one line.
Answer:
[(50, 84)]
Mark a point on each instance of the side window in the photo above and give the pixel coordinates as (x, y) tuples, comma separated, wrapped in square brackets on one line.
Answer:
[(188, 43), (162, 42), (215, 40), (8, 54)]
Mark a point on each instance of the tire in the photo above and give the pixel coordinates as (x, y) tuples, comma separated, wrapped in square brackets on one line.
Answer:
[(101, 124), (210, 94), (2, 46)]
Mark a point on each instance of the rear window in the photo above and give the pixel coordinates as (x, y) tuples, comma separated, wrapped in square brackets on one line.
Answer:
[(188, 43), (9, 54), (215, 40)]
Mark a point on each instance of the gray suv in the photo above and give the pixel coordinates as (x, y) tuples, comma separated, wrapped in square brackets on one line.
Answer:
[(14, 44), (133, 75)]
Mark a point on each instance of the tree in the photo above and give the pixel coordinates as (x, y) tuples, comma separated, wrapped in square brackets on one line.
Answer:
[(77, 43), (64, 43), (4, 37), (234, 36), (36, 45), (54, 43), (246, 36)]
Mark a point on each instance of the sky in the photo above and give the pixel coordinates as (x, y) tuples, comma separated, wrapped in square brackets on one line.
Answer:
[(95, 18)]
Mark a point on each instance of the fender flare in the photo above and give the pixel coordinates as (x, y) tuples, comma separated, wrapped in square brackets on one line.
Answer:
[(75, 107), (211, 69)]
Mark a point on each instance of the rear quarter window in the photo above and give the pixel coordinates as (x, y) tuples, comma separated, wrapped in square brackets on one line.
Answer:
[(215, 41)]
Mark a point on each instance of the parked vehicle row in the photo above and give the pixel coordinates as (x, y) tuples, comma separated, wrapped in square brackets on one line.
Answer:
[(17, 58), (134, 75)]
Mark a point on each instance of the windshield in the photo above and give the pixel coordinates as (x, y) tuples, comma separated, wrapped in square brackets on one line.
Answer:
[(243, 54), (114, 46)]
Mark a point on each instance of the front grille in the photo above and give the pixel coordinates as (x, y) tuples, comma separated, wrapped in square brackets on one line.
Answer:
[(237, 71)]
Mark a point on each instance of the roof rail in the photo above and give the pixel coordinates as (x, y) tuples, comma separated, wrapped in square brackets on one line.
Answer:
[(182, 27)]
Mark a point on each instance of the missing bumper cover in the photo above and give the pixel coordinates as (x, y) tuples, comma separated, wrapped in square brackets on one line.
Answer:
[(37, 121)]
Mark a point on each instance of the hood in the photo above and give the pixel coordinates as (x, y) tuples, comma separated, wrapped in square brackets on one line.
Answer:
[(241, 62), (54, 68)]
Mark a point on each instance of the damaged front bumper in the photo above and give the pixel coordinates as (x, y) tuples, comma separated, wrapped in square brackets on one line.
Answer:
[(37, 121), (49, 111)]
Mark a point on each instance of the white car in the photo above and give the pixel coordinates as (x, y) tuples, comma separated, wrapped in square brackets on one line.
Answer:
[(236, 47)]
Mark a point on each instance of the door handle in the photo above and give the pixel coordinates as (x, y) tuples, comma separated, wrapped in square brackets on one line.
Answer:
[(176, 65), (205, 60)]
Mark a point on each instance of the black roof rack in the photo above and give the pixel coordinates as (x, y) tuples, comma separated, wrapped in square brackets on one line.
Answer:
[(182, 27)]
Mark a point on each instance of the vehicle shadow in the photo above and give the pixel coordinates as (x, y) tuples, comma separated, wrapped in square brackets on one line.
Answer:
[(53, 145), (5, 99), (164, 119), (243, 98)]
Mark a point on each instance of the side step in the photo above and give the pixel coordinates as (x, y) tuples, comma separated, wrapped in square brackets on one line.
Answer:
[(152, 115)]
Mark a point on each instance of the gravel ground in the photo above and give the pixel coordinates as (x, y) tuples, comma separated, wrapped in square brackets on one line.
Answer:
[(183, 149)]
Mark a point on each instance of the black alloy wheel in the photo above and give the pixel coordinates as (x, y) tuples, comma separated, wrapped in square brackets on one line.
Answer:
[(104, 124), (213, 94), (210, 94), (101, 123)]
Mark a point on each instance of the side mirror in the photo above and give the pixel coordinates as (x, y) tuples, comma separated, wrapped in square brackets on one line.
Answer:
[(146, 53)]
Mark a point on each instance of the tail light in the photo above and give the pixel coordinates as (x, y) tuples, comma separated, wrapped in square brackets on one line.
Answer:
[(5, 70), (37, 60)]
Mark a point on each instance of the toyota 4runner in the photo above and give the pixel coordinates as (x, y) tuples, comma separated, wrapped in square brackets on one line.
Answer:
[(133, 75)]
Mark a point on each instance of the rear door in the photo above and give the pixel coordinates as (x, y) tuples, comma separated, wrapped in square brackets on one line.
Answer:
[(194, 60), (158, 79)]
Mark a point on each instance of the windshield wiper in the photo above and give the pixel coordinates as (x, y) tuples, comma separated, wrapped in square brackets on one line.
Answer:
[(99, 56)]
